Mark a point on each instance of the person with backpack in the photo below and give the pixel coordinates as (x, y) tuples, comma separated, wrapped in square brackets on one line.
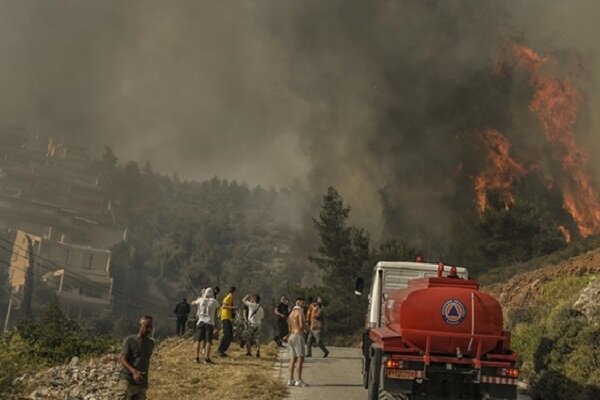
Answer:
[(316, 326), (255, 316)]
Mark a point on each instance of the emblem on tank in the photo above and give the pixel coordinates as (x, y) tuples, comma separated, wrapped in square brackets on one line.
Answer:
[(453, 312)]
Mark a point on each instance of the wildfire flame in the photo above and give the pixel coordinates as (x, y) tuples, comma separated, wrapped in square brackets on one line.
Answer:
[(501, 170), (556, 101), (565, 232)]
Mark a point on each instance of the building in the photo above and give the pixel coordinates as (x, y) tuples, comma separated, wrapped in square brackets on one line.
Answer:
[(47, 189), (79, 275)]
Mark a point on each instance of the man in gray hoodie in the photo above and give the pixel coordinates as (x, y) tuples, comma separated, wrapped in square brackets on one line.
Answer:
[(205, 326)]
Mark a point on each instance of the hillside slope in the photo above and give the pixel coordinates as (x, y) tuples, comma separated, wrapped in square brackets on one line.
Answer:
[(173, 375), (526, 289), (553, 313)]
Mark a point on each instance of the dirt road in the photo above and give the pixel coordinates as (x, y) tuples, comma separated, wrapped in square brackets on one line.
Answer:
[(335, 377)]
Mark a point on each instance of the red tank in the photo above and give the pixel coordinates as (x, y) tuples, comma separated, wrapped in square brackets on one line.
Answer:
[(450, 311)]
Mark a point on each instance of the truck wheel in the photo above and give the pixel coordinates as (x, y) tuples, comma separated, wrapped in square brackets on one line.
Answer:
[(373, 379), (366, 360), (365, 372)]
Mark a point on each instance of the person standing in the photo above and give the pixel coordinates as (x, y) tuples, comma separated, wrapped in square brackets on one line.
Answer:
[(315, 324), (227, 322), (182, 311), (135, 359), (206, 316), (282, 311), (296, 342), (255, 317)]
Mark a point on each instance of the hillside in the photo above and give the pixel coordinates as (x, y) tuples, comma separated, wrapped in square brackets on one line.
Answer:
[(173, 375), (554, 315), (527, 288)]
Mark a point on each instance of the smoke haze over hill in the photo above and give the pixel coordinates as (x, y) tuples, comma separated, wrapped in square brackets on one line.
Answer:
[(379, 99)]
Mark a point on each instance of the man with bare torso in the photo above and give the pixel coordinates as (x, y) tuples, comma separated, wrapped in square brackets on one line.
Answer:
[(296, 342)]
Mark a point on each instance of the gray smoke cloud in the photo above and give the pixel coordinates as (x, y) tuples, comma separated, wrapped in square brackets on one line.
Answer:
[(377, 98), (197, 88)]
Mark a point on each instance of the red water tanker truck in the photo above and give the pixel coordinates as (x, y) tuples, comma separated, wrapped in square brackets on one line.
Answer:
[(431, 334)]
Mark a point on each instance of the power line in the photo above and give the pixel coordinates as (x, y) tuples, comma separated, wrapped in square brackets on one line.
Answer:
[(75, 273), (89, 283), (138, 302)]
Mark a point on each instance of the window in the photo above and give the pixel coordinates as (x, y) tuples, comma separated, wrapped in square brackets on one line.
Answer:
[(87, 261)]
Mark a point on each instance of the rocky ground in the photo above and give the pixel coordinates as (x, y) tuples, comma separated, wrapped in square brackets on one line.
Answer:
[(524, 289), (79, 380), (173, 375)]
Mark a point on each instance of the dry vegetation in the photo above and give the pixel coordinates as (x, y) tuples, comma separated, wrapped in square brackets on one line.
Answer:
[(174, 375)]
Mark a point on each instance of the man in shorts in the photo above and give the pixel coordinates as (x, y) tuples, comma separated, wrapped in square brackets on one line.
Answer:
[(296, 342), (207, 312), (255, 317)]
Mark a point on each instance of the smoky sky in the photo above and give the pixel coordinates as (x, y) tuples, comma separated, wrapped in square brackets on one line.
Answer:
[(372, 97)]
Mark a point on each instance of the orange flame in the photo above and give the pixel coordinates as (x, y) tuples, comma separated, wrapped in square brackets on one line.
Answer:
[(501, 170), (565, 232), (556, 102)]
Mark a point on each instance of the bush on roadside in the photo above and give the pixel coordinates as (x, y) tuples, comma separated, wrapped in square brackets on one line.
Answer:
[(51, 340), (15, 360)]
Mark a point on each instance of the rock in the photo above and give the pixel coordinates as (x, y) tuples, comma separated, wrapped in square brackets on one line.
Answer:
[(89, 380), (588, 302)]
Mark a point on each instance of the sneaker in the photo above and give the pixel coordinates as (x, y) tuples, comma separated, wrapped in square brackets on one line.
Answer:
[(300, 383), (223, 355), (291, 382), (208, 361), (197, 360), (248, 355), (325, 354)]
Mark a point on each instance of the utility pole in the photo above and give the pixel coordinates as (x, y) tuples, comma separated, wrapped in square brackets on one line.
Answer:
[(28, 289), (7, 319)]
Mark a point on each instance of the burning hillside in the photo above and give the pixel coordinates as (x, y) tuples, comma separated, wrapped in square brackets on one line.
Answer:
[(556, 102)]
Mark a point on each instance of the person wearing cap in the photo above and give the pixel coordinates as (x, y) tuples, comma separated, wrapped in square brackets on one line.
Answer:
[(182, 311)]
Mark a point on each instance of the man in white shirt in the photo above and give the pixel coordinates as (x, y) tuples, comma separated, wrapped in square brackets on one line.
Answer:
[(255, 316), (205, 325)]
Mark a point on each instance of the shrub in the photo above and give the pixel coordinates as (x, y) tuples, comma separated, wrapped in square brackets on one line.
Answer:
[(56, 339), (52, 340), (15, 360)]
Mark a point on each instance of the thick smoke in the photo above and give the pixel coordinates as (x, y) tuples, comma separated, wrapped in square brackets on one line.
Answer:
[(196, 87), (380, 99)]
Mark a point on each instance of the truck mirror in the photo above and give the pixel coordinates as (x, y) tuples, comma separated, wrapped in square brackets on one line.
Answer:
[(359, 286)]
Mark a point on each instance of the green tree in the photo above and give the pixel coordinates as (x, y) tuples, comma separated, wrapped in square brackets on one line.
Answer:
[(343, 249), (342, 255), (507, 235)]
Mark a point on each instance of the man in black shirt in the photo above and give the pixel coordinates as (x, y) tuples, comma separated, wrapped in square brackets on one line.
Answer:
[(135, 359), (182, 310), (282, 311)]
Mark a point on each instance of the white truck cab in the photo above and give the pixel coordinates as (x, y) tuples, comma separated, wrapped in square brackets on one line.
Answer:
[(392, 275)]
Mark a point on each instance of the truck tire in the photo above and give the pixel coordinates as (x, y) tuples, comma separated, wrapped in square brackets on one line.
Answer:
[(374, 375), (365, 372), (366, 360)]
